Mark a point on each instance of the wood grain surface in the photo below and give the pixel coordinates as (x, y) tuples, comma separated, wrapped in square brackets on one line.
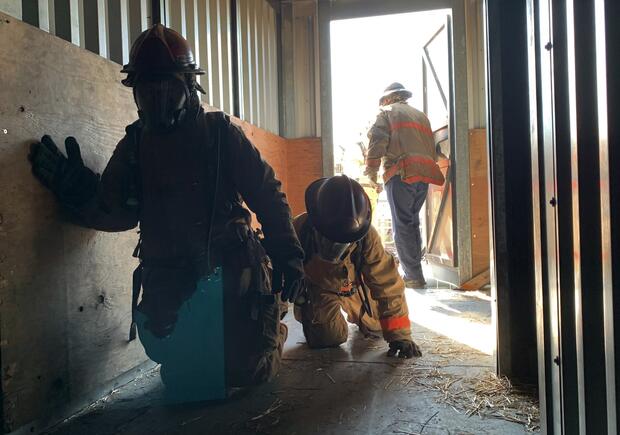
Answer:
[(65, 291), (479, 200)]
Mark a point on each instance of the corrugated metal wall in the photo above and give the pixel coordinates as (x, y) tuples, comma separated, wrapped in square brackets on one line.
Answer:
[(476, 89), (105, 27), (554, 83), (258, 63), (108, 28), (206, 25), (300, 116), (574, 97)]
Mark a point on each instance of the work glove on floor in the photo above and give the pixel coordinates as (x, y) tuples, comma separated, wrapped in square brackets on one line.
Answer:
[(404, 349), (71, 181), (288, 278)]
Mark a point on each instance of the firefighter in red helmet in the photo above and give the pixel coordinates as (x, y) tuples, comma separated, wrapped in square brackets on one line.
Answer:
[(180, 174)]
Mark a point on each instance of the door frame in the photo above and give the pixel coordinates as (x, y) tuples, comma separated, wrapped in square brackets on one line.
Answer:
[(330, 11)]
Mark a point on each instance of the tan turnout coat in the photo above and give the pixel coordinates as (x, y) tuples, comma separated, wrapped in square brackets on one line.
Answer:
[(402, 138)]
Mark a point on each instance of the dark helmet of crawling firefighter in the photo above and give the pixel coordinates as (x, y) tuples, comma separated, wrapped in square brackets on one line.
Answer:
[(392, 92), (340, 212), (162, 72)]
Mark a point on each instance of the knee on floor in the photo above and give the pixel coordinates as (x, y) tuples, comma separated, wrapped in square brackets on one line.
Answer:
[(321, 336)]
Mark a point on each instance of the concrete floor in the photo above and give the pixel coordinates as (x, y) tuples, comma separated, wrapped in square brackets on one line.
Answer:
[(353, 389)]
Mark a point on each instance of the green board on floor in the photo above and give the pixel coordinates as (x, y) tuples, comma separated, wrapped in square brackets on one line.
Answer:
[(192, 357)]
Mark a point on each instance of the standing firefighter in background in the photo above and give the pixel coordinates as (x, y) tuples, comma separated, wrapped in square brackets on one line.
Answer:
[(346, 267), (182, 174), (402, 137)]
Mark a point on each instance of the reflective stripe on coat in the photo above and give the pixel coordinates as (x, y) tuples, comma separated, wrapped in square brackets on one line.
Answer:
[(402, 139)]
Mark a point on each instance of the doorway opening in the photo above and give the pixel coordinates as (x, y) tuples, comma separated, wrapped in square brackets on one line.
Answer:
[(415, 49)]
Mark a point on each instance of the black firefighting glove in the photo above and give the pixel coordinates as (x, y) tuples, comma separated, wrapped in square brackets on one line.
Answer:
[(404, 349), (71, 181), (288, 278)]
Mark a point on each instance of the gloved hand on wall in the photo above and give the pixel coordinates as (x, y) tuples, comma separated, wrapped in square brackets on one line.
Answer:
[(288, 278), (404, 349), (71, 181)]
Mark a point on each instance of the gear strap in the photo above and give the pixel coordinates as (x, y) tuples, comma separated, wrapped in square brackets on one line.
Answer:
[(357, 258), (135, 295), (133, 132), (135, 291)]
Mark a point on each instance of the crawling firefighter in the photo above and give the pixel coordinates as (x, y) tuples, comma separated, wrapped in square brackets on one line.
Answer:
[(347, 268)]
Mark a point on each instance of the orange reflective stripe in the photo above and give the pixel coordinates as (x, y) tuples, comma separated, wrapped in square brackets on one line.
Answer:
[(392, 323), (391, 172), (422, 128), (406, 162), (373, 163), (418, 178)]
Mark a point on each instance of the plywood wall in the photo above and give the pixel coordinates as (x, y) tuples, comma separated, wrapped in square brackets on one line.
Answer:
[(65, 291), (479, 197)]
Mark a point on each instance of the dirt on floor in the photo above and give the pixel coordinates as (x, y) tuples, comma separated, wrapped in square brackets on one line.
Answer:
[(352, 389)]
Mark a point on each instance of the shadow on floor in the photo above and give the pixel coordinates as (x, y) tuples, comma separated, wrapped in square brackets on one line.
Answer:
[(352, 389)]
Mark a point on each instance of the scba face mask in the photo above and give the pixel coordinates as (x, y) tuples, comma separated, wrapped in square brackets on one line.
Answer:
[(161, 101)]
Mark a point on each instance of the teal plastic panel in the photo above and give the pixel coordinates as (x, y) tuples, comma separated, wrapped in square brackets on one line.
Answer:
[(192, 357)]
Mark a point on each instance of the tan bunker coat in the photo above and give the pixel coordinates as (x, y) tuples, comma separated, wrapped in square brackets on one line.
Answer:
[(402, 137), (335, 286)]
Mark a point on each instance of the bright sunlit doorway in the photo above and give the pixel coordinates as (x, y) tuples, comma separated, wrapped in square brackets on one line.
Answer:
[(367, 54)]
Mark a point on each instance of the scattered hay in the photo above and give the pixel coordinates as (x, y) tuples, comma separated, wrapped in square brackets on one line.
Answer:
[(267, 419), (485, 395), (326, 374)]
